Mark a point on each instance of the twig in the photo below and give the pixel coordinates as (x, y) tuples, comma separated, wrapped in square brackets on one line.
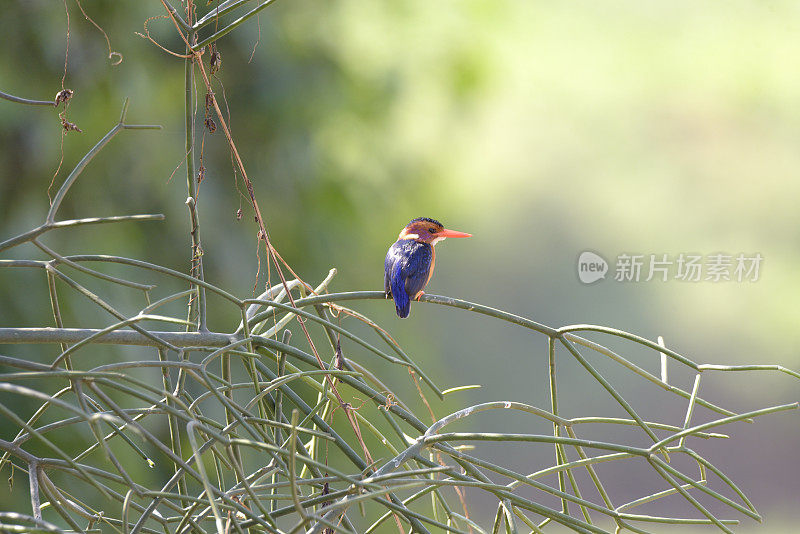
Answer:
[(20, 100), (51, 214), (33, 478)]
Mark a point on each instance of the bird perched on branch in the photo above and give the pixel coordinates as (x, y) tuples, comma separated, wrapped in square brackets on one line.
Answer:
[(409, 262)]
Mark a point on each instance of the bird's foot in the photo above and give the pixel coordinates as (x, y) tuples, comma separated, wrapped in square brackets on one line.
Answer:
[(419, 296)]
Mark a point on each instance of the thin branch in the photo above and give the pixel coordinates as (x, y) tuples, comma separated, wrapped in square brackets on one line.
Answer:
[(33, 478), (230, 27), (51, 214), (26, 101), (46, 227)]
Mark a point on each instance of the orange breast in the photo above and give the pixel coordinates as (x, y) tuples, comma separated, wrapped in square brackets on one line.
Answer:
[(433, 263)]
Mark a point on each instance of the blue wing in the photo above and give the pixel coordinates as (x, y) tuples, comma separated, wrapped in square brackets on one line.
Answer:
[(417, 269), (392, 256), (406, 271)]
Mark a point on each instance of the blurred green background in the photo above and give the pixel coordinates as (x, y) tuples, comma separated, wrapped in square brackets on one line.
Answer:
[(543, 128)]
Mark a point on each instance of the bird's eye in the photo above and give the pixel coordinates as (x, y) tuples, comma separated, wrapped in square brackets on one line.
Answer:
[(431, 230)]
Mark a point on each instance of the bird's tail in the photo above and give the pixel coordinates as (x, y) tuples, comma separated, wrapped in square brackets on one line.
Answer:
[(402, 302)]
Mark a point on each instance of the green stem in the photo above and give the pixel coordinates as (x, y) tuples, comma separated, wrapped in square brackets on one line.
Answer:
[(20, 100), (62, 192), (191, 186), (230, 27)]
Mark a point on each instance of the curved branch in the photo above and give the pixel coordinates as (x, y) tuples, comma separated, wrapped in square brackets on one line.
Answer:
[(26, 101)]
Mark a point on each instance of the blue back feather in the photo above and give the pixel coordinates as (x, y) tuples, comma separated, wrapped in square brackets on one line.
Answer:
[(406, 271), (402, 302)]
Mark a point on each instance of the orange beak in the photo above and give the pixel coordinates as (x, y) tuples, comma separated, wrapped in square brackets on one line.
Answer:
[(452, 233)]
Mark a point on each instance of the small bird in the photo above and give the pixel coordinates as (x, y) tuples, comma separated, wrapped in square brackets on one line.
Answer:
[(409, 262)]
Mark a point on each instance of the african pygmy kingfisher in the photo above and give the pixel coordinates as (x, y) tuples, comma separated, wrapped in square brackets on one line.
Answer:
[(409, 262)]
